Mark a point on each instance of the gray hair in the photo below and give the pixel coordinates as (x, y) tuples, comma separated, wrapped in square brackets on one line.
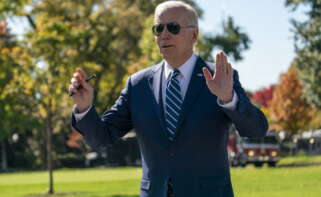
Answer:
[(191, 13)]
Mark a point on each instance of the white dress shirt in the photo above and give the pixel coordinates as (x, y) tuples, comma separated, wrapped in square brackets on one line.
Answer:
[(184, 78)]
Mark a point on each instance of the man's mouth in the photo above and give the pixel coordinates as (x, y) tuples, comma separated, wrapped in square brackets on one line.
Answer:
[(167, 46)]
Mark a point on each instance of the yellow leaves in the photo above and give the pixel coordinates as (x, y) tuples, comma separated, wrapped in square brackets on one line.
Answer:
[(54, 102), (44, 88), (5, 51), (20, 55), (43, 112), (16, 57), (16, 51), (137, 65), (28, 85), (71, 52)]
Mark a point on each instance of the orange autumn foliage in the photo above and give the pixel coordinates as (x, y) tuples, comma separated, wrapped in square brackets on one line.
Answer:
[(289, 111), (75, 140)]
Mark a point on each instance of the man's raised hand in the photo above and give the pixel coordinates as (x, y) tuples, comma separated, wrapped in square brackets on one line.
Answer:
[(221, 84)]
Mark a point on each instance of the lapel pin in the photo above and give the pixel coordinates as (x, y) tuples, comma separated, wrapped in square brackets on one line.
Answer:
[(199, 74)]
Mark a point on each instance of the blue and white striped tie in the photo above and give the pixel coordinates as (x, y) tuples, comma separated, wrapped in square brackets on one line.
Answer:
[(173, 104)]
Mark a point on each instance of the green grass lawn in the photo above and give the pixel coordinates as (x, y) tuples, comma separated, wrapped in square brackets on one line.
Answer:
[(124, 182), (303, 160)]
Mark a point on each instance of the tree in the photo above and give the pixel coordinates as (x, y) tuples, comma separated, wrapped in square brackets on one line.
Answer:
[(264, 96), (307, 36), (16, 93), (288, 109), (316, 119), (232, 41)]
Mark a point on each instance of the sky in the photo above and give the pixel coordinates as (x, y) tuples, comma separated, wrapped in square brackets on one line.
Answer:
[(267, 22)]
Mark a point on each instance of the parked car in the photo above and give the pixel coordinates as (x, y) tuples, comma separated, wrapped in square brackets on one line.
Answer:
[(257, 151)]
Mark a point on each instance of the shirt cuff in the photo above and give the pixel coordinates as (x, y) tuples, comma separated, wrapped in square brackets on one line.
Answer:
[(79, 116), (230, 105)]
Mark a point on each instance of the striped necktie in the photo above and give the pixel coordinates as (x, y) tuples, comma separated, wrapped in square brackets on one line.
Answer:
[(173, 104)]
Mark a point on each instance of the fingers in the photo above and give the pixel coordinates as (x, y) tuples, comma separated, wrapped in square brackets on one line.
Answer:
[(229, 69), (77, 81), (72, 90), (222, 64), (222, 61), (79, 76), (218, 64), (81, 72)]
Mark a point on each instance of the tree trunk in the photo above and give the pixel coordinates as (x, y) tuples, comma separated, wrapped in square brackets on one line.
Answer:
[(49, 158), (4, 162)]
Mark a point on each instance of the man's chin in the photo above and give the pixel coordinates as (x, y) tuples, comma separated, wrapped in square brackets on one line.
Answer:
[(167, 55)]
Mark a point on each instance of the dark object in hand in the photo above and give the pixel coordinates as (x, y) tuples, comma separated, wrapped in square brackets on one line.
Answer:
[(80, 86)]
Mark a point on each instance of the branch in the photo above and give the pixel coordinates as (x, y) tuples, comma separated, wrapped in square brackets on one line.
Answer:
[(31, 22)]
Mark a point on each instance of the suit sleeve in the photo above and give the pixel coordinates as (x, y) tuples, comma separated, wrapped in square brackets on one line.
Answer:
[(102, 131), (248, 119)]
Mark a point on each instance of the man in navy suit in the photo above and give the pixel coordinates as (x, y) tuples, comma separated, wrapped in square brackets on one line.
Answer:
[(181, 110)]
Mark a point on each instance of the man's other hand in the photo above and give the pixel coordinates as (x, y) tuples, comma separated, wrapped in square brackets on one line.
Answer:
[(83, 96)]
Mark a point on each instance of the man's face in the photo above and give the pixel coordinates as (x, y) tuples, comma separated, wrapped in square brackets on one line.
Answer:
[(175, 47)]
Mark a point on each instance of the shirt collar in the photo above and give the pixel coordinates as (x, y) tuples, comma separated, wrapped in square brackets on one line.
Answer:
[(186, 69)]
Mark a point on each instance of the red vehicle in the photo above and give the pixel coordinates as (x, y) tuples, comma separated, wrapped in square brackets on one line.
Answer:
[(257, 151)]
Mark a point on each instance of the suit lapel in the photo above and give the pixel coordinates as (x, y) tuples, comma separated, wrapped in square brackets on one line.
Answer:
[(155, 91), (195, 86)]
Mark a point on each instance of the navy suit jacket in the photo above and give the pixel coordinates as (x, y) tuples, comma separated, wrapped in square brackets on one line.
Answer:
[(197, 159)]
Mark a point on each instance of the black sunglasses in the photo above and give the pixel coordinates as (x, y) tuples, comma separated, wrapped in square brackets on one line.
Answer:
[(173, 28)]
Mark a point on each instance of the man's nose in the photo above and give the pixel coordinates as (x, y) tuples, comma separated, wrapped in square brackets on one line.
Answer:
[(165, 34)]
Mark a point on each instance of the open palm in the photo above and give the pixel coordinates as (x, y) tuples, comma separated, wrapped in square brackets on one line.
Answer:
[(221, 84)]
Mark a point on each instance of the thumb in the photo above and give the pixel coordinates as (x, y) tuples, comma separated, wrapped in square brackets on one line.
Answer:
[(207, 74)]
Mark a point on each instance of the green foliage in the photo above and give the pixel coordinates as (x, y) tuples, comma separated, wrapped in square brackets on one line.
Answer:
[(13, 7), (232, 41), (97, 36), (308, 48), (16, 94)]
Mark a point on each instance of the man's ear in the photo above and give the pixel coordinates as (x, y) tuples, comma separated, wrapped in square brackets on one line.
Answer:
[(195, 35)]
